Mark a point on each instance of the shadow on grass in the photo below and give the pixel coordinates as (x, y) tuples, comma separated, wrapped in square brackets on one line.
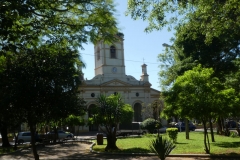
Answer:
[(180, 143), (125, 137), (135, 150), (129, 150), (227, 144)]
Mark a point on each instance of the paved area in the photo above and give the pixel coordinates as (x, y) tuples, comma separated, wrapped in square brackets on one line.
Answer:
[(80, 150), (77, 150)]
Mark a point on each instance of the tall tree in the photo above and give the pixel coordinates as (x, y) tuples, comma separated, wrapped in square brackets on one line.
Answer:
[(46, 83), (197, 94), (109, 112), (26, 27), (207, 31)]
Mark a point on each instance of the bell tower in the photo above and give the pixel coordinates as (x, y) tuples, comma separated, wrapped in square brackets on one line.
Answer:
[(109, 58)]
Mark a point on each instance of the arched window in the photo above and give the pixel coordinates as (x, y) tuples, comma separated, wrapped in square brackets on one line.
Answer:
[(113, 52)]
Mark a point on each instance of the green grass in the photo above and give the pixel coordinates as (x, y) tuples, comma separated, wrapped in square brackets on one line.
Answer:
[(194, 145)]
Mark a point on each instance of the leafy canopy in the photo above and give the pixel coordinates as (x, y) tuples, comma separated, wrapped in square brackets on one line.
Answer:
[(111, 110), (197, 94)]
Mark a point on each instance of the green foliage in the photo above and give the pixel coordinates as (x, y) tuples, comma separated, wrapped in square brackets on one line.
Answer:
[(172, 133), (233, 134), (30, 23), (39, 56), (110, 111), (149, 124), (73, 120), (126, 113), (211, 20), (206, 34), (162, 147), (197, 94)]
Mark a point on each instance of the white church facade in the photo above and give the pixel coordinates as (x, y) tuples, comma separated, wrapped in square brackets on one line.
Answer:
[(110, 78)]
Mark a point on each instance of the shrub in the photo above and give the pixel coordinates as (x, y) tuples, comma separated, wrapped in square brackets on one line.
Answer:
[(162, 147), (233, 134), (149, 124), (172, 133)]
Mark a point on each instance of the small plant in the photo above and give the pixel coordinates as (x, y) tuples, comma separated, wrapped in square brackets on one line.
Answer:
[(172, 134), (233, 134), (162, 147)]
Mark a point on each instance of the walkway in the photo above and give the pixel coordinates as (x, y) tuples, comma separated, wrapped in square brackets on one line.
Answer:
[(79, 150)]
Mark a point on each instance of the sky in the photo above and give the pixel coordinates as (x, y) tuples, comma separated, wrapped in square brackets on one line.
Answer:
[(139, 47)]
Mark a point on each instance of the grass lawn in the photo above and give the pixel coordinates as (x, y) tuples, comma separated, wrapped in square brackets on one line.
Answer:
[(222, 144)]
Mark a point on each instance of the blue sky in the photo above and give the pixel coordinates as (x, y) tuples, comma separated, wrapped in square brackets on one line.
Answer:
[(138, 45)]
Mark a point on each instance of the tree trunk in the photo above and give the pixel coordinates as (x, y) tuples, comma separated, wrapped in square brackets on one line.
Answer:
[(55, 135), (219, 126), (211, 130), (111, 142), (34, 149), (238, 130), (3, 130), (206, 139), (187, 128)]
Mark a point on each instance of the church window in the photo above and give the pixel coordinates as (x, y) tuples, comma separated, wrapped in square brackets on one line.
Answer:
[(137, 94), (92, 95), (113, 52)]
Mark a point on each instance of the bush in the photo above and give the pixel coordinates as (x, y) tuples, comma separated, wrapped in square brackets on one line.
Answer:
[(172, 134), (150, 124), (233, 134), (162, 147)]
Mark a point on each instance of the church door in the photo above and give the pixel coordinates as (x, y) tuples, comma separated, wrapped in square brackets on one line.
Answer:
[(137, 112), (92, 127)]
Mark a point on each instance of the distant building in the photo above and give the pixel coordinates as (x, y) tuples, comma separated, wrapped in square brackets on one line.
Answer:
[(110, 78)]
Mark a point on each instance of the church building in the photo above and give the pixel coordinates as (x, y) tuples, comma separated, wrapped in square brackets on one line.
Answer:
[(110, 78)]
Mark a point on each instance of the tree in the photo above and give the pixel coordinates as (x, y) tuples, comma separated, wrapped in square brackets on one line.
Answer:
[(109, 112), (73, 120), (217, 17), (29, 22), (45, 82), (60, 26), (205, 33), (197, 94), (152, 110)]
